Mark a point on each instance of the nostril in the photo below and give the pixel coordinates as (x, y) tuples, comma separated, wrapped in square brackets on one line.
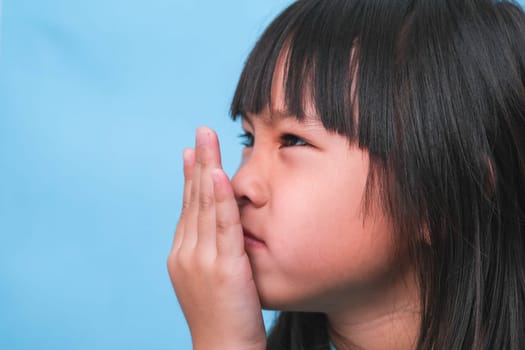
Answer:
[(242, 201)]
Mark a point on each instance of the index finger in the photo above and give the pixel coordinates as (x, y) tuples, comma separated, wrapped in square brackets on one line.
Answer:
[(214, 159)]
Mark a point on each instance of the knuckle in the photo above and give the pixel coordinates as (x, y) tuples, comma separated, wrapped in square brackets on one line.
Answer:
[(204, 262), (170, 261), (201, 266), (206, 201), (188, 176), (197, 260), (184, 263), (173, 265), (194, 189), (223, 272), (226, 224), (185, 205)]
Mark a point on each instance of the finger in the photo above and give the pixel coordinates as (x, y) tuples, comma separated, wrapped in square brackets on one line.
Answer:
[(189, 163), (206, 157), (213, 159), (230, 240), (205, 140), (192, 213)]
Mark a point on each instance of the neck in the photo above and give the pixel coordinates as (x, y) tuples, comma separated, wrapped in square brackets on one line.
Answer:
[(388, 321)]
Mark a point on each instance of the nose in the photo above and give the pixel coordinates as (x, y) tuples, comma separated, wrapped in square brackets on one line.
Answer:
[(250, 184)]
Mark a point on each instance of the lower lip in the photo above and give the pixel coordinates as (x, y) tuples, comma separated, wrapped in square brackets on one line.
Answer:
[(252, 243)]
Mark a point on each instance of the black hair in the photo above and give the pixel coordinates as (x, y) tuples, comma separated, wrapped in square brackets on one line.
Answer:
[(440, 86)]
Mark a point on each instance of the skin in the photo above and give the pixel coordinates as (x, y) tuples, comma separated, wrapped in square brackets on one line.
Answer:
[(309, 259), (298, 191), (346, 268), (208, 266)]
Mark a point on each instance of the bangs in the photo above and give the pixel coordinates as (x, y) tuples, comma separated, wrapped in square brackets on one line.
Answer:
[(338, 57)]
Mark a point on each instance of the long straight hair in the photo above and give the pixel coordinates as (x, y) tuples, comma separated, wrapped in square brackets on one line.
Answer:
[(440, 86)]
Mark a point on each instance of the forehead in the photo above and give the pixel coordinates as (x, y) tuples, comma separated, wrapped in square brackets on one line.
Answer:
[(278, 108), (271, 117)]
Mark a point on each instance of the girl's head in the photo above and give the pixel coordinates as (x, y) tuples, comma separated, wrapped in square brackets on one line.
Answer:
[(386, 143)]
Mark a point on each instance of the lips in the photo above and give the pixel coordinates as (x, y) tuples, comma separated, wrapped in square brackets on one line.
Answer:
[(251, 240)]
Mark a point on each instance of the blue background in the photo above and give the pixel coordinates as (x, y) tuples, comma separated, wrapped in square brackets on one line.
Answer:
[(97, 100)]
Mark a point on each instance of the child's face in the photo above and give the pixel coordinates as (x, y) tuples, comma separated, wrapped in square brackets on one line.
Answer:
[(302, 195)]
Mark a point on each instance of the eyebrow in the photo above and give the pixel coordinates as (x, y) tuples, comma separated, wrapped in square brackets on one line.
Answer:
[(279, 115)]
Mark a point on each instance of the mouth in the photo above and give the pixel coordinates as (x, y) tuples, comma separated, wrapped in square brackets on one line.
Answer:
[(252, 241)]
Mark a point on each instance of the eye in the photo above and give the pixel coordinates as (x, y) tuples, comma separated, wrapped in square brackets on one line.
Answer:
[(246, 139), (289, 140)]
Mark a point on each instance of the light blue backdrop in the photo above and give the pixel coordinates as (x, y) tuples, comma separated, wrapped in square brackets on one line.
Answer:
[(97, 100)]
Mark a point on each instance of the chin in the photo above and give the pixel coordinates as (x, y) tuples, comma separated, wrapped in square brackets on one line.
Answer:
[(280, 300), (276, 300)]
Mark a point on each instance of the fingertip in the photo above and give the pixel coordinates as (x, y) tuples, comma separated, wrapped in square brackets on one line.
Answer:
[(216, 176), (202, 136), (207, 146), (188, 156), (205, 136)]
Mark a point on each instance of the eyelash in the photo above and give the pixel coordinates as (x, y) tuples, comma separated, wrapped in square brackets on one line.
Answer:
[(246, 139), (290, 140), (287, 140)]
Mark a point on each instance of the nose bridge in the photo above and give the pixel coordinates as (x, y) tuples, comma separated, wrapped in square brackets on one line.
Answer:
[(250, 182)]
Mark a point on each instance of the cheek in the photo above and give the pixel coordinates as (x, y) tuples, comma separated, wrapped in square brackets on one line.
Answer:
[(333, 234), (319, 210), (323, 236)]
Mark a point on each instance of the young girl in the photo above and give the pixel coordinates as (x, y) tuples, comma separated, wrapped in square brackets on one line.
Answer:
[(380, 201)]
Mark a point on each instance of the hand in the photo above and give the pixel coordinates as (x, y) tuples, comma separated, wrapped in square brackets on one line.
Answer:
[(208, 265)]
